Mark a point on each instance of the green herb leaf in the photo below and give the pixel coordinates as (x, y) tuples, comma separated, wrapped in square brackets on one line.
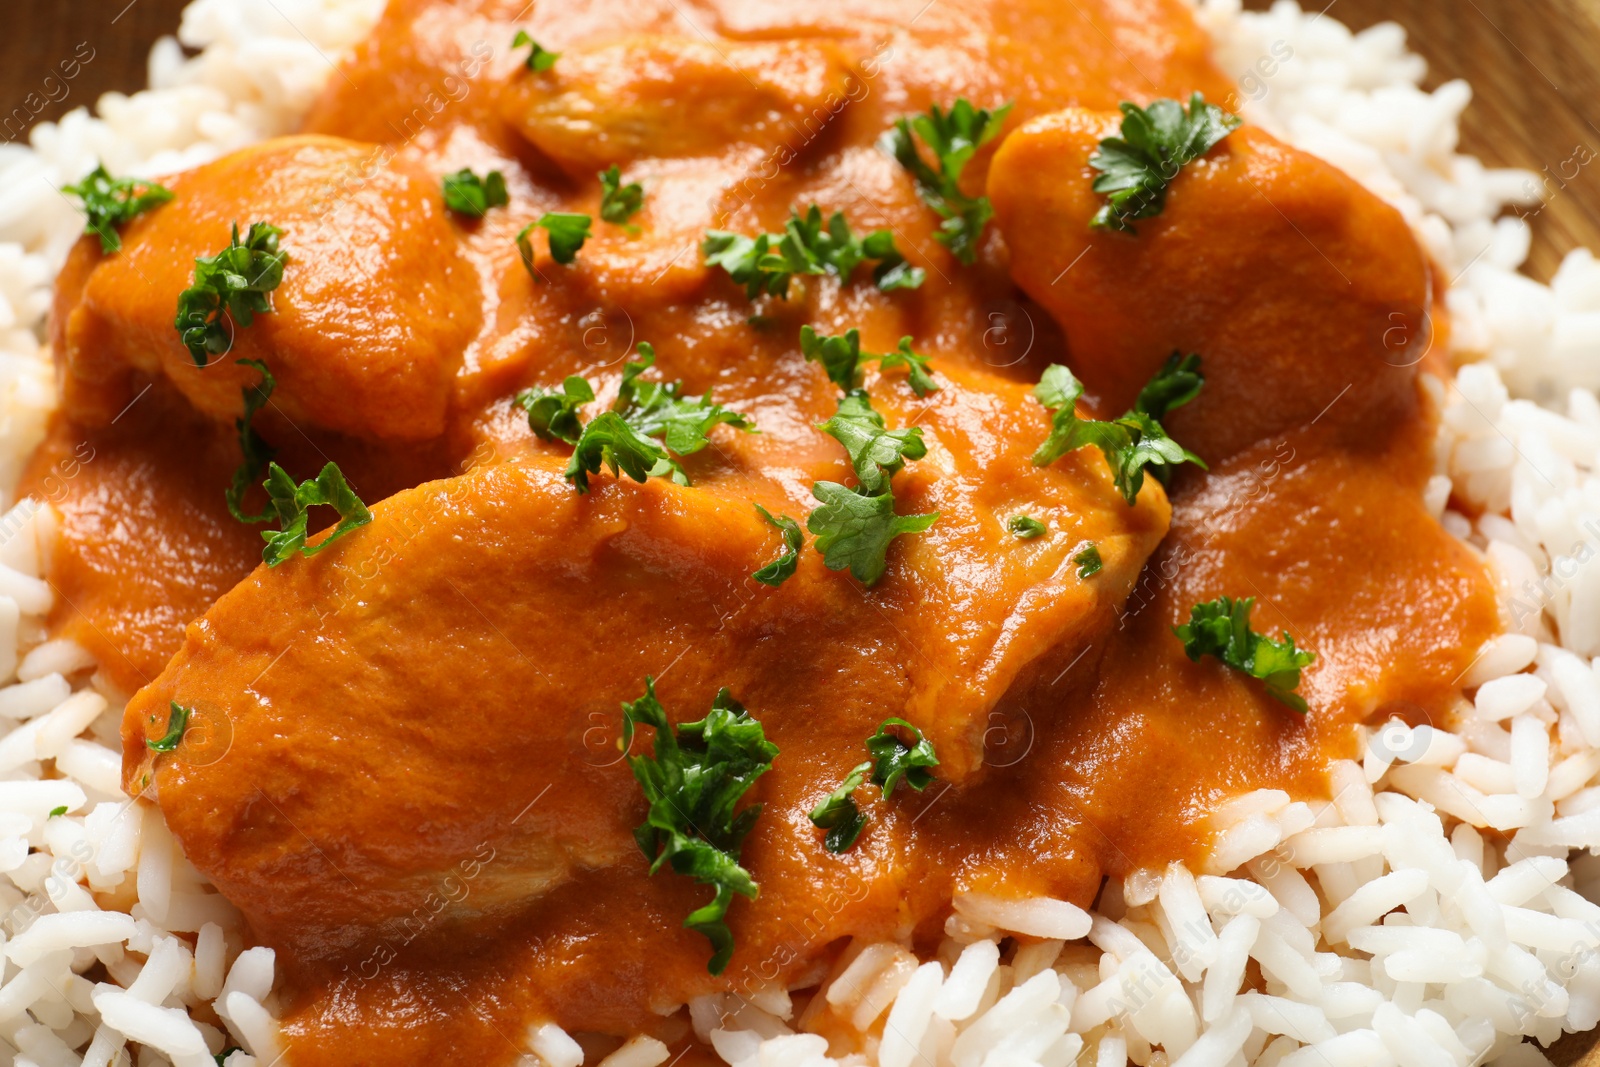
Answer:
[(764, 264), (1175, 384), (1130, 443), (781, 569), (875, 453), (539, 58), (618, 202), (252, 446), (693, 782), (1088, 560), (922, 382), (62, 810), (111, 203), (838, 813), (222, 1057), (1156, 142), (624, 438), (954, 136), (854, 530), (567, 232), (1221, 628), (1026, 527), (896, 761), (177, 722), (659, 409), (291, 505), (552, 415), (236, 281), (467, 194), (610, 441), (842, 357)]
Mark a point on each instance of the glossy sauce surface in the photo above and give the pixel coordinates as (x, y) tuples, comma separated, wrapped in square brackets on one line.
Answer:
[(421, 803)]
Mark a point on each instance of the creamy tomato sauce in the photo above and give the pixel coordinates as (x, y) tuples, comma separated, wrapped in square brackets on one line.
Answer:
[(403, 762)]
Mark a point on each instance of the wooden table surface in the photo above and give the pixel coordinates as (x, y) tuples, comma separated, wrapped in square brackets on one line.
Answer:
[(1534, 65)]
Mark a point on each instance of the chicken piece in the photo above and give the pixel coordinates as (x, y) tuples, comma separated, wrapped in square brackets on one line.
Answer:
[(625, 101), (407, 696), (367, 328), (1297, 287)]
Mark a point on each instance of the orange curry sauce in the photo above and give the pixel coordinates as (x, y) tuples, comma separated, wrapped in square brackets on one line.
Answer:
[(403, 764)]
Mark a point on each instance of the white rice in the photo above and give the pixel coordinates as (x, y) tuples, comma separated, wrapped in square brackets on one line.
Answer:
[(1386, 926)]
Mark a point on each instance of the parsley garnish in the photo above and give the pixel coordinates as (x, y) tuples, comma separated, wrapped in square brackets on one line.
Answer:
[(291, 504), (624, 438), (893, 761), (618, 202), (838, 813), (1156, 142), (111, 202), (1221, 628), (693, 782), (1175, 384), (897, 761), (252, 446), (1130, 443), (1026, 527), (854, 530), (954, 137), (875, 453), (781, 569), (62, 810), (842, 357), (854, 527), (177, 722), (222, 1057), (1088, 560), (540, 59), (766, 263), (552, 415), (567, 233), (467, 194), (236, 281)]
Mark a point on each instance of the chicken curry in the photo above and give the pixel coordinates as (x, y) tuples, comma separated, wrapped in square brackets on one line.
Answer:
[(401, 750)]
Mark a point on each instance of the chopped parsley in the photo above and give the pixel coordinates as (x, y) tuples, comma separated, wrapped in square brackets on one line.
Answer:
[(236, 281), (253, 447), (954, 136), (625, 438), (1156, 142), (876, 453), (1175, 384), (1088, 560), (693, 781), (467, 194), (842, 357), (291, 504), (893, 761), (540, 59), (553, 415), (1026, 527), (177, 722), (766, 263), (568, 232), (618, 202), (1221, 628), (1130, 443), (838, 813), (854, 530), (62, 810), (781, 569), (111, 203)]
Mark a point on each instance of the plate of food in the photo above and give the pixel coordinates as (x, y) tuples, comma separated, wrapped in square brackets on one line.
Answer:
[(970, 533)]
